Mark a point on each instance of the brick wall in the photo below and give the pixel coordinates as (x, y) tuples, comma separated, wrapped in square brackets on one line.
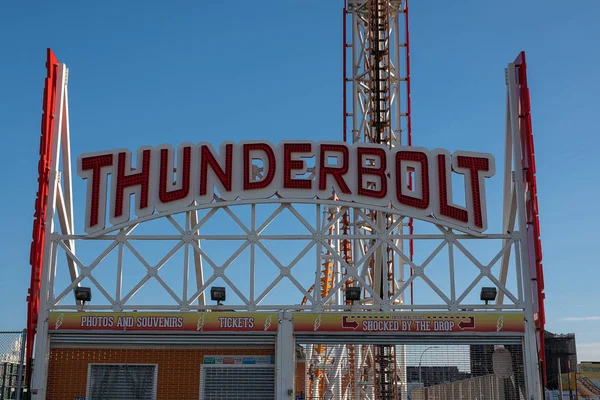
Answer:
[(300, 378), (178, 368)]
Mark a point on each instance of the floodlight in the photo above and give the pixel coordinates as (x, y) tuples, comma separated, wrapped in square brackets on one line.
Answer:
[(83, 294), (217, 293), (488, 294), (352, 293)]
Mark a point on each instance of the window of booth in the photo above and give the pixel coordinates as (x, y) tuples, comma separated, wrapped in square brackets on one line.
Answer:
[(122, 381)]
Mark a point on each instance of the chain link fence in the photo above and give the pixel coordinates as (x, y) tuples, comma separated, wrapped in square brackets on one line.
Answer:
[(414, 371), (12, 365)]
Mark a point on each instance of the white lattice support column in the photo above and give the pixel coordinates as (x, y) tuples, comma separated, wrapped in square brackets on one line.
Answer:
[(366, 70), (530, 346), (380, 113), (285, 355)]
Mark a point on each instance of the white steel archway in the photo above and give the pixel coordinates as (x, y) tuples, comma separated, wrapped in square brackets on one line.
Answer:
[(246, 228)]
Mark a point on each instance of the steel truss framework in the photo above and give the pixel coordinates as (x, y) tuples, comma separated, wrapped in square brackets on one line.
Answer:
[(329, 228), (379, 74), (318, 237), (379, 112)]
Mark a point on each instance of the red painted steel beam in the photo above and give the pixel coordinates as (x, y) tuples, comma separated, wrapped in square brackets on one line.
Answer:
[(533, 220), (36, 256)]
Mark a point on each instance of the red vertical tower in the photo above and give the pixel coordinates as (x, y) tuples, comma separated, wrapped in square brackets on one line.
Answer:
[(36, 256), (533, 219)]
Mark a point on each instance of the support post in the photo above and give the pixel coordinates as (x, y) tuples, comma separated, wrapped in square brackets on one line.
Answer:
[(2, 390), (21, 364), (285, 356)]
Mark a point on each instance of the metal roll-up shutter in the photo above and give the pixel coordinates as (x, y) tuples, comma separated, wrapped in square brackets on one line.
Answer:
[(233, 382), (121, 381)]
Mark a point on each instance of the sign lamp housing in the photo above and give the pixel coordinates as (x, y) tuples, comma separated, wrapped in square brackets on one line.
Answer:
[(83, 294), (217, 293), (488, 294), (352, 294)]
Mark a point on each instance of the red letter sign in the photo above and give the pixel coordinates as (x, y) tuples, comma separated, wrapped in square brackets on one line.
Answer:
[(96, 190)]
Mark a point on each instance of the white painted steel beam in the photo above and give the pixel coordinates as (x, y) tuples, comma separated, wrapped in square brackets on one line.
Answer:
[(198, 269), (285, 357)]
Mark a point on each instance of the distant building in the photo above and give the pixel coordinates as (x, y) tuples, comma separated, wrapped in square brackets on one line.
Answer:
[(481, 362), (560, 349), (435, 375), (480, 357)]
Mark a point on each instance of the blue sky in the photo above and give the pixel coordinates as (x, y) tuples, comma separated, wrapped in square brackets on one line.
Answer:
[(151, 73)]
